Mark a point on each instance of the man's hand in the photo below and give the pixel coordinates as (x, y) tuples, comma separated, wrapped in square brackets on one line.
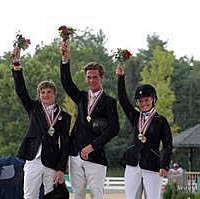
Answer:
[(86, 151), (59, 179), (65, 52), (16, 58)]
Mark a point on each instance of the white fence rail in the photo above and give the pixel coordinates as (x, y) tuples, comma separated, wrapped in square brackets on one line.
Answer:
[(116, 184), (112, 184)]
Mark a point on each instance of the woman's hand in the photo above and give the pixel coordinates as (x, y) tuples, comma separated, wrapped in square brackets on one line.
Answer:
[(119, 71)]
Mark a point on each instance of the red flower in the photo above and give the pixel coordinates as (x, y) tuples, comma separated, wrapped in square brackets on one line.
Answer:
[(122, 55), (65, 32), (128, 54)]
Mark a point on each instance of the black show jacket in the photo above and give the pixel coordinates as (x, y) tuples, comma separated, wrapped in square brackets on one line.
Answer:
[(83, 132), (52, 155), (147, 155)]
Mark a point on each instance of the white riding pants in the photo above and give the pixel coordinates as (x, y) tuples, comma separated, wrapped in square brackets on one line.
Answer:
[(151, 180), (83, 173), (35, 173)]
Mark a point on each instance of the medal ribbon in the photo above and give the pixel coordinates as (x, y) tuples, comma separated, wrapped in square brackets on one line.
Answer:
[(90, 108), (143, 125), (51, 120)]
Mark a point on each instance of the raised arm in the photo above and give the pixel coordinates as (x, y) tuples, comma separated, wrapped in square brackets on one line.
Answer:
[(66, 79), (19, 82), (122, 95)]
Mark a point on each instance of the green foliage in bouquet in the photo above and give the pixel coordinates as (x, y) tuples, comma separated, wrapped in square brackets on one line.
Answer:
[(66, 32), (21, 42), (122, 55)]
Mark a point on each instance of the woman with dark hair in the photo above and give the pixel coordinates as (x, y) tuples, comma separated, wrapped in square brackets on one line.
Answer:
[(143, 161)]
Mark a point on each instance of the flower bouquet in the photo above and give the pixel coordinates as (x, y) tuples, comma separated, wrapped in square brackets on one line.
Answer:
[(19, 43), (122, 55), (65, 33)]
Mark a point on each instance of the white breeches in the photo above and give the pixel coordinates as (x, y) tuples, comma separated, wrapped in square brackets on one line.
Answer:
[(83, 173), (135, 176), (35, 173)]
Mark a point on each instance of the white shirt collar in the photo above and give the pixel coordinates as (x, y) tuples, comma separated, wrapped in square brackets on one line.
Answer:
[(95, 94), (148, 113), (50, 108)]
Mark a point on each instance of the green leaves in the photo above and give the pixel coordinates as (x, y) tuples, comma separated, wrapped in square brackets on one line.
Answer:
[(21, 42), (158, 72)]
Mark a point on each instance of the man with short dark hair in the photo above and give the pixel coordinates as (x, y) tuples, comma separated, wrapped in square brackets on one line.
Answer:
[(96, 124)]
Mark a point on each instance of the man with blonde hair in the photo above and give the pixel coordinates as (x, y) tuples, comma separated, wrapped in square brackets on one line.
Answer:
[(45, 146)]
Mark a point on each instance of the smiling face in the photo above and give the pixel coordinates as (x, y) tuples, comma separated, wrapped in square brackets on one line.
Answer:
[(47, 92), (94, 80), (145, 103), (47, 96)]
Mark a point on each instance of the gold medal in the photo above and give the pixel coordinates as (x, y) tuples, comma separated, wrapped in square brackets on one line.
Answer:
[(88, 118), (92, 101), (51, 131), (144, 139), (140, 135)]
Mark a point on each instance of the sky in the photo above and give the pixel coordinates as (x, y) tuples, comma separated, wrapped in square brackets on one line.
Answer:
[(126, 23)]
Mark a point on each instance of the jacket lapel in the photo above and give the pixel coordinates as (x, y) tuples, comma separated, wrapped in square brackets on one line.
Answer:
[(42, 119)]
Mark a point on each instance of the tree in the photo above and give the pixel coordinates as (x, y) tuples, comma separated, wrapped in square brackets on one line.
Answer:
[(185, 81), (44, 64), (153, 41), (88, 47), (158, 72), (12, 120)]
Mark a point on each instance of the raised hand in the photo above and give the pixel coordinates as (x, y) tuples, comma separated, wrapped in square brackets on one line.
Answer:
[(16, 58), (65, 52), (119, 71)]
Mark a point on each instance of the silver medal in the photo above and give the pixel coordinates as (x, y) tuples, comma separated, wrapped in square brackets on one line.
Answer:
[(88, 118), (51, 131)]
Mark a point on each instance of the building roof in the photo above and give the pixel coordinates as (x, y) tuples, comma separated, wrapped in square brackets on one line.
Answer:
[(188, 138)]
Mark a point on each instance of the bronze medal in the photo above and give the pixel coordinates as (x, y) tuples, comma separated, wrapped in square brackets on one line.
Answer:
[(144, 139), (140, 135)]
